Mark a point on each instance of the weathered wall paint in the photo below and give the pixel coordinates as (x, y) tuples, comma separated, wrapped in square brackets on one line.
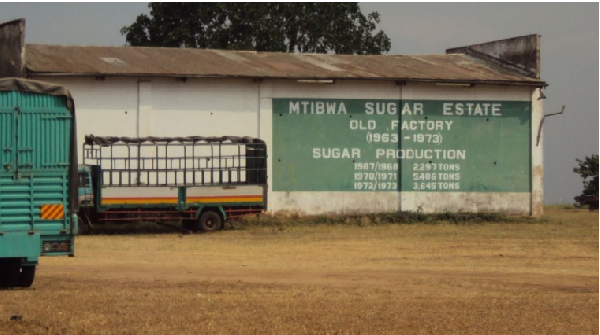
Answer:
[(522, 52), (359, 202), (164, 107), (408, 145)]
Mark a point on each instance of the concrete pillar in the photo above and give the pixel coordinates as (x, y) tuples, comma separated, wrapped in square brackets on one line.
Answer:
[(537, 156)]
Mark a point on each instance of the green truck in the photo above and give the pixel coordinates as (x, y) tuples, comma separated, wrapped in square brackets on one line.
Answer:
[(199, 181), (38, 177)]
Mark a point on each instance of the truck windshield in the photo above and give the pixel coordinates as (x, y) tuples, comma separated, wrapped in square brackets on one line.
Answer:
[(84, 179)]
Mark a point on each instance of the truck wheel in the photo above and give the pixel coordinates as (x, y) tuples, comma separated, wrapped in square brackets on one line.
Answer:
[(27, 276), (10, 272), (210, 221)]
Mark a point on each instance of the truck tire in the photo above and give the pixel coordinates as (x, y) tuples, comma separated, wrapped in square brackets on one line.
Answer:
[(27, 276), (210, 221), (10, 271)]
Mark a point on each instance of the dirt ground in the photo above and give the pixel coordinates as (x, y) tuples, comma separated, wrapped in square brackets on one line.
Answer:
[(492, 278)]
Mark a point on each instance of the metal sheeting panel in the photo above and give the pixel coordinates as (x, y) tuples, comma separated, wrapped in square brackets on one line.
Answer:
[(21, 201), (180, 62), (6, 137), (44, 139), (42, 102), (33, 94), (8, 100), (36, 172)]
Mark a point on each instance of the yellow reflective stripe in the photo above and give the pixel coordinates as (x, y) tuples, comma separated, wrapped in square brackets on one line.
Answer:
[(226, 199), (51, 212), (112, 201)]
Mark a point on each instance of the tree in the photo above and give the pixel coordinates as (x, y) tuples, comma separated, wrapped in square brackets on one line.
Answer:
[(338, 28), (588, 168)]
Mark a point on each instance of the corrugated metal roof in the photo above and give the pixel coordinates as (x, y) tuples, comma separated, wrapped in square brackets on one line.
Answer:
[(179, 62)]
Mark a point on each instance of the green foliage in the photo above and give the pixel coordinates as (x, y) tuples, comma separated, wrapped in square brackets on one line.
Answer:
[(588, 169), (340, 28)]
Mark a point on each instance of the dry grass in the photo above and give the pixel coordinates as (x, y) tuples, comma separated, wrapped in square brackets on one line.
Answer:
[(490, 278)]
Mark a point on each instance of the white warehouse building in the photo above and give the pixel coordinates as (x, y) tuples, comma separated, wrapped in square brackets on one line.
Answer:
[(345, 134)]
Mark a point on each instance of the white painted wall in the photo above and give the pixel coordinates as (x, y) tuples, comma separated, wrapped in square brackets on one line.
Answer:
[(240, 107), (207, 107), (163, 107), (107, 108)]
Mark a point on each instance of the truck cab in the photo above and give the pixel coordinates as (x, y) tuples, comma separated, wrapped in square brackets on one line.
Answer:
[(85, 189)]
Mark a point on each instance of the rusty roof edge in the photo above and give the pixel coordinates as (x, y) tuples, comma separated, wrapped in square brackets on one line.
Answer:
[(528, 82), (453, 68)]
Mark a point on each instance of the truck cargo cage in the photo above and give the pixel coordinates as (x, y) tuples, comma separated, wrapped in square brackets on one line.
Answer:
[(177, 161)]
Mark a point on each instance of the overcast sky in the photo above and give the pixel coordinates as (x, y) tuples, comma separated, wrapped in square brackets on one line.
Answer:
[(569, 55)]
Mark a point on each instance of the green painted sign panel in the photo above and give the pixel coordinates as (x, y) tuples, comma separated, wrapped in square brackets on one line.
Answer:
[(401, 145)]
